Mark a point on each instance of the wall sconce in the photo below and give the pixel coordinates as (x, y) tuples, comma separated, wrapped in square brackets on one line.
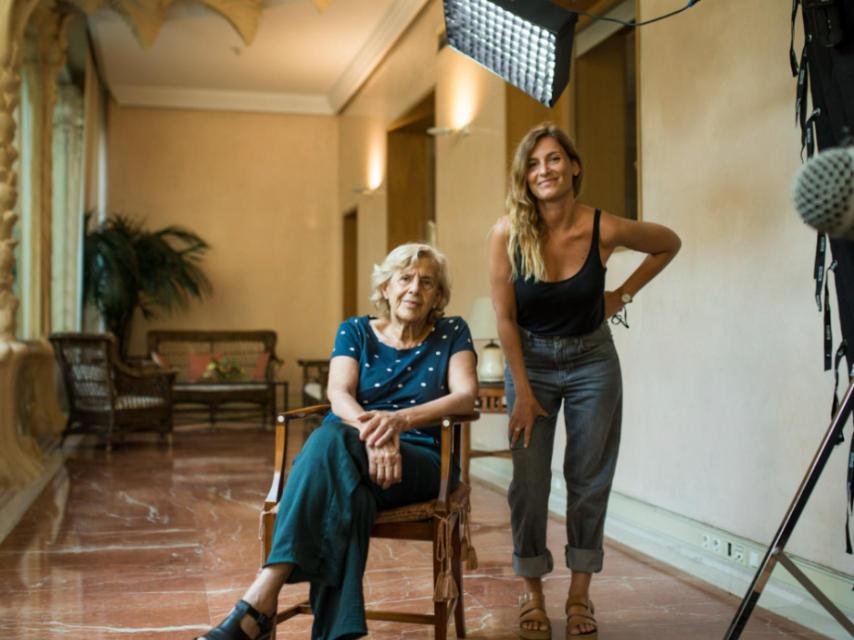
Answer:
[(366, 191), (438, 132)]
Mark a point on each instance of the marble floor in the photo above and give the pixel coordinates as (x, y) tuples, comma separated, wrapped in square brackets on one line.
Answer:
[(157, 542)]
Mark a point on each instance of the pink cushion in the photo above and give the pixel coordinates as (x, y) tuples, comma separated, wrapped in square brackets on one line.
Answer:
[(197, 363), (261, 361), (160, 361)]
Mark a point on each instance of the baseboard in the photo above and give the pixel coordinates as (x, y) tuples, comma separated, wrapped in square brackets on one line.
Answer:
[(718, 557), (15, 502)]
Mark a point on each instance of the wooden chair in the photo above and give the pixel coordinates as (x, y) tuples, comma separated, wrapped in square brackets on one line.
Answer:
[(443, 522), (315, 377), (107, 396)]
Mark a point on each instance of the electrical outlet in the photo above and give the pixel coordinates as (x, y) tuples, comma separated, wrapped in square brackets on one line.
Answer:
[(716, 545), (753, 559), (738, 554), (706, 541)]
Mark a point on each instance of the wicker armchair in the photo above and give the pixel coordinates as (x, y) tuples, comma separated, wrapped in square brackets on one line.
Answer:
[(106, 396), (315, 377), (443, 522)]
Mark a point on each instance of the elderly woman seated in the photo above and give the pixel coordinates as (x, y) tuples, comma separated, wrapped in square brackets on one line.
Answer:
[(391, 379)]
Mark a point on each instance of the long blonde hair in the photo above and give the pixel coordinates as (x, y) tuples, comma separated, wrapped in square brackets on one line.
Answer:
[(527, 229)]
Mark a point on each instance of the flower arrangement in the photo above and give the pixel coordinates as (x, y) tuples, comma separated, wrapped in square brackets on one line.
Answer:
[(224, 369)]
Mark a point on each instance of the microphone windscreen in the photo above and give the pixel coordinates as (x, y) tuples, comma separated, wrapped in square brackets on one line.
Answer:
[(824, 192)]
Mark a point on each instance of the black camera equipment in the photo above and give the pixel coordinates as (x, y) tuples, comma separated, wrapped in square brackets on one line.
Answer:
[(826, 67)]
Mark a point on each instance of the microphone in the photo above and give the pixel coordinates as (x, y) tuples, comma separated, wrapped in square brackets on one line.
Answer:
[(823, 192)]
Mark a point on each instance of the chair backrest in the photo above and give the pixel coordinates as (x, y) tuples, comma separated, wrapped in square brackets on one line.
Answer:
[(241, 347), (315, 378), (86, 362)]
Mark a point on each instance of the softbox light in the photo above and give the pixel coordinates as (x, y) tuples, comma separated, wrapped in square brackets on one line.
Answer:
[(526, 42)]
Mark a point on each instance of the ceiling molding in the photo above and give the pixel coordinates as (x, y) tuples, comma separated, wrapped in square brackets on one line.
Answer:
[(209, 99), (394, 23)]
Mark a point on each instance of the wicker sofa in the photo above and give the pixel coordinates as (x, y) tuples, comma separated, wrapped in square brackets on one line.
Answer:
[(222, 372)]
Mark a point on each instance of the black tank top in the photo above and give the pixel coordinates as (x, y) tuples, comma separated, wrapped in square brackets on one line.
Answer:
[(570, 307)]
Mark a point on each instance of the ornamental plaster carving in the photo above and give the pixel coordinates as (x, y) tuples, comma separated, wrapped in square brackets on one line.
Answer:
[(21, 459), (145, 17), (13, 19), (44, 56)]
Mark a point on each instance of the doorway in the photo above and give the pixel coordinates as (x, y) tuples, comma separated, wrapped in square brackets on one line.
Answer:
[(606, 123), (350, 263), (411, 176)]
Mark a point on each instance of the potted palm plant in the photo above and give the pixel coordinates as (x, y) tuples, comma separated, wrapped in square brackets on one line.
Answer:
[(127, 267)]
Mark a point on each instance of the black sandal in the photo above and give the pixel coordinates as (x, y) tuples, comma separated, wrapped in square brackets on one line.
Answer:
[(229, 629)]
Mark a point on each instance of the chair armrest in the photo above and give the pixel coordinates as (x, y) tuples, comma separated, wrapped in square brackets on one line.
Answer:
[(449, 441), (302, 412), (280, 460), (280, 456), (143, 370), (147, 381)]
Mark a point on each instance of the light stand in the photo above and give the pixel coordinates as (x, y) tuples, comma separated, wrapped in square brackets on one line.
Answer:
[(775, 551)]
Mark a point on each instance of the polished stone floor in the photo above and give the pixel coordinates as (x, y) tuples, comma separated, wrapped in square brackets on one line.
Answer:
[(156, 542)]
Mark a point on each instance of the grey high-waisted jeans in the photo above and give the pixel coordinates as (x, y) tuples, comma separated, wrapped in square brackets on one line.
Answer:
[(583, 372)]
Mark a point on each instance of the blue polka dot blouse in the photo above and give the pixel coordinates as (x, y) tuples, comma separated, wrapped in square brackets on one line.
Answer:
[(391, 379)]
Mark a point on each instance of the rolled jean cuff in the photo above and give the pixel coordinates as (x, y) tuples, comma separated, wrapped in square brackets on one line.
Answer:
[(585, 560), (533, 566)]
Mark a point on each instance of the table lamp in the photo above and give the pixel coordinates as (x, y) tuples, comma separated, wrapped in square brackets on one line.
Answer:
[(481, 321)]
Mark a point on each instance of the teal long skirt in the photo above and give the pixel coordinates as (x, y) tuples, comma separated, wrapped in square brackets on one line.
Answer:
[(325, 518)]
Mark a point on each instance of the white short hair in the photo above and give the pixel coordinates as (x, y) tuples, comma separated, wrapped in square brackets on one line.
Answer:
[(402, 257)]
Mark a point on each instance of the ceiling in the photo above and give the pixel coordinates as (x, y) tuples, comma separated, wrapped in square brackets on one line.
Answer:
[(301, 60)]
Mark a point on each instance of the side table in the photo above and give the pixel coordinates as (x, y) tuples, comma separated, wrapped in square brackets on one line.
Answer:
[(490, 399)]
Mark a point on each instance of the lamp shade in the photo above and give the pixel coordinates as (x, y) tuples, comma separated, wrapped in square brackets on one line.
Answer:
[(490, 367), (481, 320)]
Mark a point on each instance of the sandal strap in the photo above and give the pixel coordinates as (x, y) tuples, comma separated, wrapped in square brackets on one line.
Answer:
[(263, 621), (532, 600), (579, 601), (532, 608), (229, 629), (583, 617), (576, 619)]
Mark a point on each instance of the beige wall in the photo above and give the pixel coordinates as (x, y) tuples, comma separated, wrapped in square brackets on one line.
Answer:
[(725, 398), (259, 189)]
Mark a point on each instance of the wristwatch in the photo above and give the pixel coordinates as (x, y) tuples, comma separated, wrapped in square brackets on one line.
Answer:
[(626, 298)]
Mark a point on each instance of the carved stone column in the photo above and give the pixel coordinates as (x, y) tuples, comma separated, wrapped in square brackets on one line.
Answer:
[(44, 56), (67, 219)]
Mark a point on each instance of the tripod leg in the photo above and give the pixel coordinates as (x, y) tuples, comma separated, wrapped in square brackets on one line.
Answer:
[(775, 549), (816, 593)]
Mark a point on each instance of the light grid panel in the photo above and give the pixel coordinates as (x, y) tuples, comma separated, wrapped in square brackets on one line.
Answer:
[(523, 53)]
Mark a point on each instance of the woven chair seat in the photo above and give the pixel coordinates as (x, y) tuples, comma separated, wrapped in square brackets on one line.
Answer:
[(124, 403), (423, 510), (457, 501), (214, 387)]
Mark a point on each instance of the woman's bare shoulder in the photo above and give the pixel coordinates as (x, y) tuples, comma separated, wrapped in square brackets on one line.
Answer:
[(501, 228)]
